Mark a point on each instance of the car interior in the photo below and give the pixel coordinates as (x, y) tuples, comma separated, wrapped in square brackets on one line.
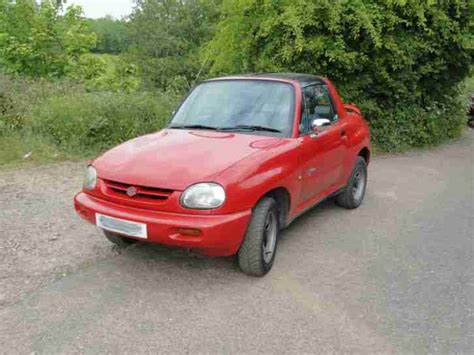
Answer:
[(316, 104)]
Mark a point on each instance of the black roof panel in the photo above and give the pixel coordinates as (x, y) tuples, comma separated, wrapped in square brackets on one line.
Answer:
[(303, 79)]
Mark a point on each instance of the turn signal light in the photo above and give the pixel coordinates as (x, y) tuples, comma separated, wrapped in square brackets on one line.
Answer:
[(189, 231)]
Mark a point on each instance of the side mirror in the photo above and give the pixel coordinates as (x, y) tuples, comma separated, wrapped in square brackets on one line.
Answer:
[(318, 124)]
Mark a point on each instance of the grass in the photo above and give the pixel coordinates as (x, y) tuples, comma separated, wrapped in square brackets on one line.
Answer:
[(17, 148)]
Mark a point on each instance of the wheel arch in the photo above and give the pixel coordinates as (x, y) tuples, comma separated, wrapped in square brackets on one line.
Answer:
[(365, 153), (283, 199)]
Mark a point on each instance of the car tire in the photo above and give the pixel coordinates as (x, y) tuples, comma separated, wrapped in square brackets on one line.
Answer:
[(353, 193), (118, 240), (258, 250)]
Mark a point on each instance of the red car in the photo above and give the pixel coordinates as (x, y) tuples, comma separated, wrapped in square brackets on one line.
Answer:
[(241, 158)]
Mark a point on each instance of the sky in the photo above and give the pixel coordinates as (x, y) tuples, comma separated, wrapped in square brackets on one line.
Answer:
[(101, 8)]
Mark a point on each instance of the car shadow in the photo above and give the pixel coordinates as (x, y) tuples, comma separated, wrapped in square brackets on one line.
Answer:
[(155, 255), (317, 211)]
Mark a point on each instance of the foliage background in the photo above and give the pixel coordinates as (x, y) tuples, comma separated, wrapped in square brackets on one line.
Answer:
[(74, 87), (401, 61)]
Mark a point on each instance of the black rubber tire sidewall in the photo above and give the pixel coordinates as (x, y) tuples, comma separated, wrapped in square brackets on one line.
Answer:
[(346, 198), (250, 256)]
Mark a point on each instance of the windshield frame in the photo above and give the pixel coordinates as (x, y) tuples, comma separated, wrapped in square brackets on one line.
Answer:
[(293, 112)]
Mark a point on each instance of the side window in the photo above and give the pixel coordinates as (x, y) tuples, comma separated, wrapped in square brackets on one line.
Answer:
[(316, 104)]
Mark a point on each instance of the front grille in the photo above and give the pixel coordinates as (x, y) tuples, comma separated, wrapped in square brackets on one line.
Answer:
[(141, 192)]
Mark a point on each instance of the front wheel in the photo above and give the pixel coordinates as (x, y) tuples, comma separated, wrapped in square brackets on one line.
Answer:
[(353, 193), (257, 252)]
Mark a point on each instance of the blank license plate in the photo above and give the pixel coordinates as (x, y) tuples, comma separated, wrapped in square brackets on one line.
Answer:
[(121, 226)]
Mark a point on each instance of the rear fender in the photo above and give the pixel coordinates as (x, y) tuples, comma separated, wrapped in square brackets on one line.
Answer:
[(353, 108)]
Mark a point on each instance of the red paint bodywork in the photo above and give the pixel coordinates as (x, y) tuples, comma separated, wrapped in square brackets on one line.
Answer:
[(247, 166)]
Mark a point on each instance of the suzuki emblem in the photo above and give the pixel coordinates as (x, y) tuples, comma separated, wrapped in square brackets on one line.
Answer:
[(131, 191)]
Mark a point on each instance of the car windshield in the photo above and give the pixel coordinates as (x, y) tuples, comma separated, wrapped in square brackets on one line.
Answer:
[(263, 107)]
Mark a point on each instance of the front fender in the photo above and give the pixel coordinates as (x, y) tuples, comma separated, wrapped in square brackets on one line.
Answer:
[(256, 175)]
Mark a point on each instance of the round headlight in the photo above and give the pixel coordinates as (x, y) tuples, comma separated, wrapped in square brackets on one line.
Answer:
[(205, 195), (90, 178)]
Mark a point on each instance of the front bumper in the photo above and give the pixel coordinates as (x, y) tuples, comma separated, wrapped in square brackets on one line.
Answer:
[(221, 235)]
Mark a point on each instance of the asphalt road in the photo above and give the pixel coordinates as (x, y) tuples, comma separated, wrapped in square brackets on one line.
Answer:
[(394, 276)]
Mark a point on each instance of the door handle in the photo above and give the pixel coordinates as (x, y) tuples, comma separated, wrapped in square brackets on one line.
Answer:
[(344, 135)]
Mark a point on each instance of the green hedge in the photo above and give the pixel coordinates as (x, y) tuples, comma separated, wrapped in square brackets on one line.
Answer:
[(410, 126)]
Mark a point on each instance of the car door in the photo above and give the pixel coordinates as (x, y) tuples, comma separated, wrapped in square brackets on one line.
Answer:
[(322, 153)]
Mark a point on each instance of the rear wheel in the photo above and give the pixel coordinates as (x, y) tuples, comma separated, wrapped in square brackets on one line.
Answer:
[(118, 240), (353, 193), (257, 252)]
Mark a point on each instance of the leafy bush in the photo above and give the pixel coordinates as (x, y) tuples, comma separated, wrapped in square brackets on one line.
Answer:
[(400, 60), (106, 72), (87, 123), (411, 126), (18, 96), (63, 119)]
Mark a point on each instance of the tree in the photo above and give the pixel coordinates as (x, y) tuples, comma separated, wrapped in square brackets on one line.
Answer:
[(111, 35), (402, 60), (38, 41), (166, 37)]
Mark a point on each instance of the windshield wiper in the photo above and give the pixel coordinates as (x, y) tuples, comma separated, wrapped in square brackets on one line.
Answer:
[(238, 127), (250, 128), (194, 126)]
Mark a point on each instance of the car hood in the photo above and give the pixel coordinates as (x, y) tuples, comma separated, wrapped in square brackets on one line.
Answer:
[(175, 159)]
